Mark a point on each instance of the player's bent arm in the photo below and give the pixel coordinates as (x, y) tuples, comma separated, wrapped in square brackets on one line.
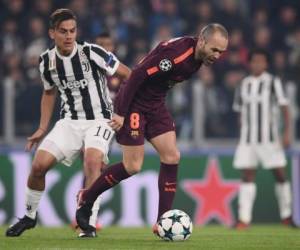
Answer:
[(47, 106), (123, 71)]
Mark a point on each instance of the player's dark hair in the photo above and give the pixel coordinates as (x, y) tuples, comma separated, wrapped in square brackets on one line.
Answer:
[(59, 16), (259, 51), (212, 28), (104, 34)]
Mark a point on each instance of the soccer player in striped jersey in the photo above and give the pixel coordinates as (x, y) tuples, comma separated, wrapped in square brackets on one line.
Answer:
[(141, 113), (105, 41), (258, 99), (77, 71)]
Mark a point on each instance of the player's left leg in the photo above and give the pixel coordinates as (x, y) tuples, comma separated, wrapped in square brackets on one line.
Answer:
[(165, 145), (284, 196), (92, 164), (132, 161)]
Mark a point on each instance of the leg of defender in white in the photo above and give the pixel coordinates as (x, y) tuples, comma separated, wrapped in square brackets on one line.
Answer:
[(32, 200), (246, 197), (284, 197), (95, 210)]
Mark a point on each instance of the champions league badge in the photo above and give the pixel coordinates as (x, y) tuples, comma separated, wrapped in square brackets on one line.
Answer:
[(165, 65)]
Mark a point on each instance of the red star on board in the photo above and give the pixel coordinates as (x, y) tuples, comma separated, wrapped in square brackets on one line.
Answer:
[(213, 195)]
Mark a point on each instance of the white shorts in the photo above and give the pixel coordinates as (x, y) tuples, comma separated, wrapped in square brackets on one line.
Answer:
[(69, 137), (268, 155)]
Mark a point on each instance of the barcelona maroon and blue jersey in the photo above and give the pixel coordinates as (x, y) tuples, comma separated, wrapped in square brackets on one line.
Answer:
[(169, 63)]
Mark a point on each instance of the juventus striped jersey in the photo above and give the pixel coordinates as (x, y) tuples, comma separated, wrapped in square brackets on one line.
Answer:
[(258, 99), (80, 79)]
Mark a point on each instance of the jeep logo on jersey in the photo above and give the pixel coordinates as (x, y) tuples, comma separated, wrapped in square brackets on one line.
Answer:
[(74, 84), (165, 65)]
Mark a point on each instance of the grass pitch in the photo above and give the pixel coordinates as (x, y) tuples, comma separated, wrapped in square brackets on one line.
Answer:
[(271, 237)]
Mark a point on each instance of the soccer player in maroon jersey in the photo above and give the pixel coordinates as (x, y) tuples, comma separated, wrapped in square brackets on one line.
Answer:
[(140, 112)]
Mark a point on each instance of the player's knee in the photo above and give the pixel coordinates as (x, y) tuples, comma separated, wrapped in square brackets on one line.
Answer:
[(92, 164), (172, 157), (38, 169), (133, 165)]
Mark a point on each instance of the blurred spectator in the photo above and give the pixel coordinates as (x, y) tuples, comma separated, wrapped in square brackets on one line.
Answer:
[(10, 39), (168, 15), (163, 33), (230, 15), (262, 38), (285, 25), (205, 88)]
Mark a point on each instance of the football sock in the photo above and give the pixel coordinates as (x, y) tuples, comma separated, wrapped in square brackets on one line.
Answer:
[(246, 199), (32, 200), (167, 182), (109, 178), (95, 210), (284, 197)]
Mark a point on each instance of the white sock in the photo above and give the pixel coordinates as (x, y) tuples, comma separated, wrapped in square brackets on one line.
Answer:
[(95, 210), (32, 200), (284, 197), (246, 197)]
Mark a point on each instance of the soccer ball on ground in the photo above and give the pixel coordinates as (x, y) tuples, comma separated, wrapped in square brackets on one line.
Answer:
[(175, 225)]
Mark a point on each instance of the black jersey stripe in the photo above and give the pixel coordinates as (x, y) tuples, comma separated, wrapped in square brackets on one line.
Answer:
[(271, 101), (259, 114), (62, 78), (46, 73), (105, 110), (86, 99), (108, 58)]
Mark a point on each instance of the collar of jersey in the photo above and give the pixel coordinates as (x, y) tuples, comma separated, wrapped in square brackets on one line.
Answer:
[(262, 76), (69, 56)]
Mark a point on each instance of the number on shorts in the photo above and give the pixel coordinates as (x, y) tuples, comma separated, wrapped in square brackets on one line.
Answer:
[(106, 134), (134, 120)]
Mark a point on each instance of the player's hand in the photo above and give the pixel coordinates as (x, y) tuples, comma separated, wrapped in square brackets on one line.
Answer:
[(33, 140), (116, 122), (286, 140)]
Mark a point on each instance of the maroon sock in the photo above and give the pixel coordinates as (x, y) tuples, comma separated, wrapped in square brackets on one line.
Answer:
[(109, 178), (167, 182)]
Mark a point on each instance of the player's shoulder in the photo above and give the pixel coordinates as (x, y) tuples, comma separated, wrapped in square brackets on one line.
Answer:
[(179, 43), (45, 53), (177, 47)]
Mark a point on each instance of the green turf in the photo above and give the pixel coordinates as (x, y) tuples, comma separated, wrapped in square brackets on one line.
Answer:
[(211, 237)]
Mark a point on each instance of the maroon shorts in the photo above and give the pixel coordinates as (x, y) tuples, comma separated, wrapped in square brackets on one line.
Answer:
[(139, 125)]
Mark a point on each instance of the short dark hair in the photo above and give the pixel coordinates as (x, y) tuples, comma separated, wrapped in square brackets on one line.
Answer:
[(103, 34), (211, 28), (59, 16), (259, 51)]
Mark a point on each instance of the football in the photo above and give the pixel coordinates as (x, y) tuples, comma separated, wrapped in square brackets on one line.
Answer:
[(175, 225)]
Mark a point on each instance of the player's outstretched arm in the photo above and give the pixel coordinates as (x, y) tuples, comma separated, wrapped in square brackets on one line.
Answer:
[(47, 105), (123, 71)]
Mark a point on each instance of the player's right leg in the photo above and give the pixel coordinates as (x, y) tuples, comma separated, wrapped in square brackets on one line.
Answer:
[(246, 198), (133, 157), (246, 160), (42, 162)]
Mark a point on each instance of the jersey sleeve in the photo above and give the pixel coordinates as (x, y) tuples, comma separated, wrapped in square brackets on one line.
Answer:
[(153, 65), (104, 59), (279, 92), (45, 74)]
